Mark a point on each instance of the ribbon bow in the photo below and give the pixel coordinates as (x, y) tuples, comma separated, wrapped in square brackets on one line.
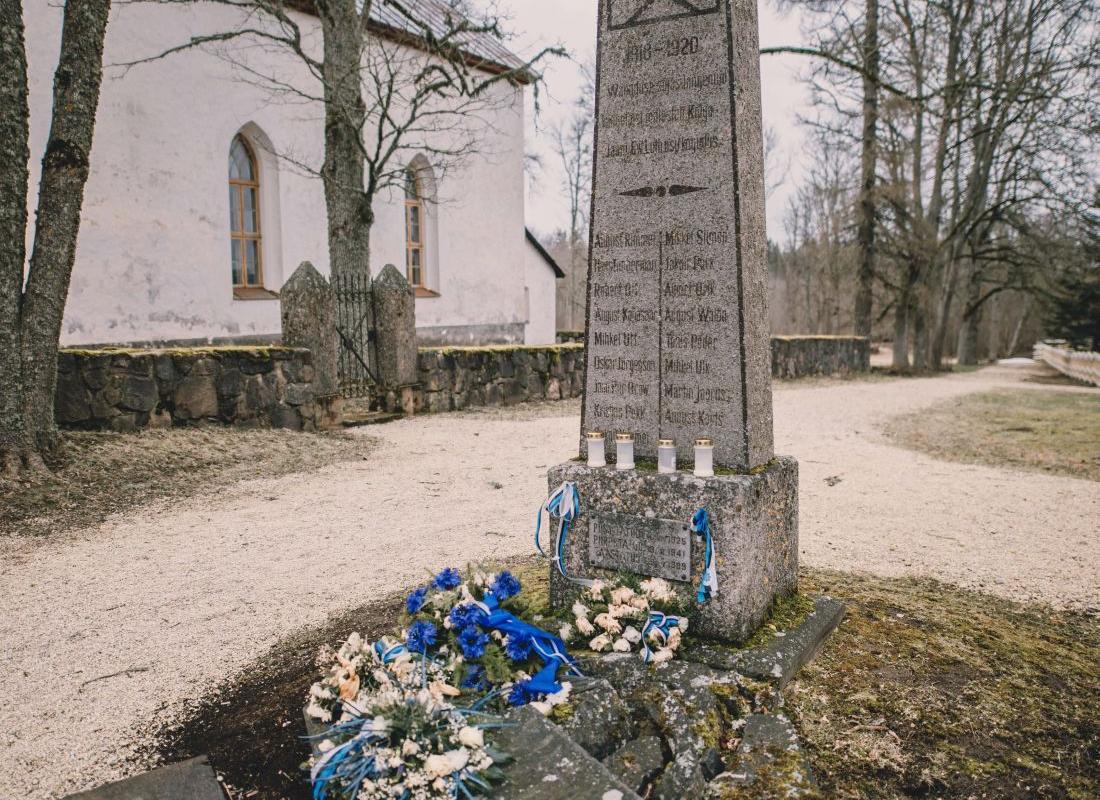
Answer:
[(565, 504), (708, 585), (662, 625), (549, 647)]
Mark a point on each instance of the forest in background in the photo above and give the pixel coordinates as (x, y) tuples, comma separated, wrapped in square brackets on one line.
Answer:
[(953, 205)]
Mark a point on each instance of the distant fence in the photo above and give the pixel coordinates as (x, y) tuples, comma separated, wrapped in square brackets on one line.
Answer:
[(1077, 364)]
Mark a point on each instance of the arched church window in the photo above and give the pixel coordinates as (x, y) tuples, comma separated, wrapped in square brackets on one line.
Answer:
[(244, 216), (415, 250)]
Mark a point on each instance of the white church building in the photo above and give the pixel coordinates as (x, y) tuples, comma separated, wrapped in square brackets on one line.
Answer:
[(191, 222)]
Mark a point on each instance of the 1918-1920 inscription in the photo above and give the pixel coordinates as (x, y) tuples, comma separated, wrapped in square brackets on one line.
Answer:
[(677, 342), (657, 547)]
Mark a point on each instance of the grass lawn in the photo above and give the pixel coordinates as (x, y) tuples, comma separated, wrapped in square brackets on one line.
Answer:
[(924, 691), (1057, 432), (98, 474)]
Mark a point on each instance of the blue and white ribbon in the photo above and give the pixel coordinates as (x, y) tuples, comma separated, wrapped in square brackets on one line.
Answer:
[(565, 504), (387, 655), (708, 586), (661, 625), (549, 647), (348, 763)]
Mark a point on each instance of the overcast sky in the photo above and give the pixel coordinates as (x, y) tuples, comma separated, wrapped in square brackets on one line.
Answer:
[(572, 23)]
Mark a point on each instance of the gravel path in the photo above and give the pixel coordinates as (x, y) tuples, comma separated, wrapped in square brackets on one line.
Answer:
[(104, 631)]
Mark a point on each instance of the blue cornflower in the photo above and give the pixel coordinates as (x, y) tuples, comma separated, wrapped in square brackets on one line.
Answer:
[(505, 586), (415, 601), (521, 693), (518, 649), (447, 579), (463, 615), (474, 678), (472, 641), (420, 637)]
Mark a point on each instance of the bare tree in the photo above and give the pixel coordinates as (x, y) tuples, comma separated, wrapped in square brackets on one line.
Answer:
[(31, 312), (572, 145), (394, 78), (983, 128)]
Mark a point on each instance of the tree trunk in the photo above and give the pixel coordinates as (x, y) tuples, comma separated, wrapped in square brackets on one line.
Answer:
[(868, 163), (60, 196), (14, 157), (349, 209), (968, 333), (920, 339), (901, 330)]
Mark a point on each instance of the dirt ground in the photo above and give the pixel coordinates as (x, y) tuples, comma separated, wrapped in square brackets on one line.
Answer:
[(195, 591)]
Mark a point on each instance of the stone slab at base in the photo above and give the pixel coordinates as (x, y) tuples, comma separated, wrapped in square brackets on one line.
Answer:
[(188, 780), (755, 529)]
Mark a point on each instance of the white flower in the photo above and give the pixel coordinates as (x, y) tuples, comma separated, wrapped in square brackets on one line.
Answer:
[(438, 766), (584, 626), (560, 696), (580, 610), (674, 638), (380, 724), (458, 758), (325, 746), (541, 706), (639, 602), (317, 712), (439, 785), (595, 591), (410, 748), (632, 634), (471, 737), (621, 646), (622, 595), (565, 632), (600, 643), (661, 656), (622, 611), (608, 623), (658, 589)]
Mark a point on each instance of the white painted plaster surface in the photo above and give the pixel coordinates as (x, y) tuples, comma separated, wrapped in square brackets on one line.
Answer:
[(153, 253)]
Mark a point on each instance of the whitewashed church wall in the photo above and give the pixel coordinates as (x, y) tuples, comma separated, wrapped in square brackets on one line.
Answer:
[(541, 283), (153, 258)]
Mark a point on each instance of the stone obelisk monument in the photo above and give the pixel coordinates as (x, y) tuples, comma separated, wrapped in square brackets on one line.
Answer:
[(677, 341)]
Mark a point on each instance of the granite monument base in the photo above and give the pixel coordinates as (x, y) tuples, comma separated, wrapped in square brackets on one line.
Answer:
[(639, 521)]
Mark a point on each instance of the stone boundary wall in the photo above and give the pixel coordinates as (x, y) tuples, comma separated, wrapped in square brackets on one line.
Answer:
[(804, 356), (454, 378), (125, 390)]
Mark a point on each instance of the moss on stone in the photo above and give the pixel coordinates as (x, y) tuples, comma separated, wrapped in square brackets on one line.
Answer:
[(260, 351), (562, 713), (550, 349), (786, 614)]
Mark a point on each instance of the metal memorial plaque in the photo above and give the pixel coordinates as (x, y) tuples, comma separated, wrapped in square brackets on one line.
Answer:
[(677, 334), (657, 547)]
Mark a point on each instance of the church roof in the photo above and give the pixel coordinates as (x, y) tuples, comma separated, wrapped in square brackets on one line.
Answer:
[(549, 259), (481, 50)]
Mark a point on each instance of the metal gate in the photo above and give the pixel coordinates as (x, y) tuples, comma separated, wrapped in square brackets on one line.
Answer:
[(355, 326)]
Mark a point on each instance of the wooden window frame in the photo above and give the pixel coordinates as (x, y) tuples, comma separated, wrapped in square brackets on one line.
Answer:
[(241, 238), (420, 288)]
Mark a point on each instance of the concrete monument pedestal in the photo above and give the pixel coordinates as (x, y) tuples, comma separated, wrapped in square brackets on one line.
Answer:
[(639, 522)]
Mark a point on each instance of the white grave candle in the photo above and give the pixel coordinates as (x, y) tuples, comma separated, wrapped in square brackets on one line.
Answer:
[(624, 451), (597, 454), (666, 456), (704, 458)]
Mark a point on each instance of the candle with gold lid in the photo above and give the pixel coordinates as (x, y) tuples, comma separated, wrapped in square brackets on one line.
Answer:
[(624, 451), (666, 456), (597, 451), (704, 458)]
